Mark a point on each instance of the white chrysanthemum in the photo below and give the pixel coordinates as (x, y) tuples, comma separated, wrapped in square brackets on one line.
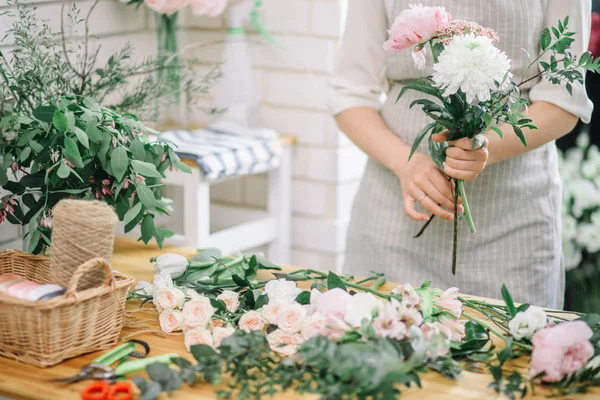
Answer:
[(473, 65), (572, 254), (588, 237), (569, 227)]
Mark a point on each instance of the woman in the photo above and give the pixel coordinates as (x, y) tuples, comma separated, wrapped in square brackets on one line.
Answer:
[(516, 198)]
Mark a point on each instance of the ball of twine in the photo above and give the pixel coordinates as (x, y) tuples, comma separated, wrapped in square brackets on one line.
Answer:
[(82, 230)]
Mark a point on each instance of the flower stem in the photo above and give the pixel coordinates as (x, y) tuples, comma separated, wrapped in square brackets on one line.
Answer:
[(455, 243), (495, 331), (463, 196)]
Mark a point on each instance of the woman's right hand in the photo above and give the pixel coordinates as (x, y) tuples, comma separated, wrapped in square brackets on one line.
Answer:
[(423, 182)]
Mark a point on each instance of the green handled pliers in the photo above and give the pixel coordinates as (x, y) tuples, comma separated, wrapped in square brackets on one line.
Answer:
[(101, 368)]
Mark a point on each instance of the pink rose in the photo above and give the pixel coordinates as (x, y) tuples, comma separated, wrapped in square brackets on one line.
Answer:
[(191, 294), (221, 333), (197, 336), (231, 300), (211, 8), (291, 318), (561, 350), (284, 343), (170, 321), (332, 301), (216, 323), (198, 312), (449, 301), (270, 312), (334, 327), (388, 324), (415, 26), (166, 6), (313, 326), (251, 321), (169, 298)]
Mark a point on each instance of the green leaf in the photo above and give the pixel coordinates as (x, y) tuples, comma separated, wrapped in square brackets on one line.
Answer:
[(3, 174), (44, 113), (132, 213), (34, 239), (25, 153), (145, 195), (35, 146), (72, 152), (510, 305), (91, 104), (93, 132), (147, 228), (420, 138), (334, 281), (202, 351), (119, 162), (70, 120), (545, 39), (145, 169), (261, 300), (497, 130), (63, 171), (60, 121), (82, 137), (520, 134), (137, 149), (303, 298), (422, 86), (438, 152)]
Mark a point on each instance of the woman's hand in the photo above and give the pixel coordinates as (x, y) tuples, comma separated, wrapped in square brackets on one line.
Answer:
[(423, 182), (462, 162)]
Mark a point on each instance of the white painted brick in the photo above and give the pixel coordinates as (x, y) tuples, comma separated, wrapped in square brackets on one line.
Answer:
[(319, 234), (326, 18), (296, 89), (309, 127), (230, 192), (286, 16), (255, 190), (345, 194), (309, 198), (302, 53)]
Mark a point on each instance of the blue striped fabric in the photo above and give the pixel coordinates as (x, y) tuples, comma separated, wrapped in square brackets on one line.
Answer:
[(225, 149)]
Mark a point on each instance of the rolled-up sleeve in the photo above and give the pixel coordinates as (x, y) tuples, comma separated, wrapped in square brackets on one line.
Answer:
[(357, 79), (578, 104)]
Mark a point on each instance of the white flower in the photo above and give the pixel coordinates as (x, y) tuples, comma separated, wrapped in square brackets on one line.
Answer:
[(291, 318), (589, 168), (270, 312), (282, 290), (572, 254), (197, 336), (231, 300), (526, 323), (588, 236), (162, 281), (583, 141), (145, 288), (174, 264), (198, 312), (9, 136), (569, 227), (313, 326), (361, 307), (221, 333), (170, 320), (473, 65), (169, 298), (585, 194), (191, 294), (284, 343), (251, 321)]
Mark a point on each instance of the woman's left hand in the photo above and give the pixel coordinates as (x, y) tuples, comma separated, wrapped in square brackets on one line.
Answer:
[(462, 161)]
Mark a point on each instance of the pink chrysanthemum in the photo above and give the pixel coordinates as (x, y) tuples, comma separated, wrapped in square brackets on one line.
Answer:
[(460, 27)]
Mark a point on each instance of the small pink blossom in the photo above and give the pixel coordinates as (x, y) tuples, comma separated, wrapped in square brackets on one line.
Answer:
[(46, 222), (98, 195), (284, 343), (106, 182), (437, 337), (410, 298), (163, 157), (132, 195), (415, 25), (332, 301), (334, 327), (449, 301), (54, 155), (410, 315), (112, 124), (114, 140), (69, 163), (91, 179), (314, 326), (139, 178), (14, 166), (165, 7), (419, 56), (456, 327), (211, 8), (388, 324), (126, 183), (251, 321), (2, 216), (231, 300), (460, 27), (561, 350)]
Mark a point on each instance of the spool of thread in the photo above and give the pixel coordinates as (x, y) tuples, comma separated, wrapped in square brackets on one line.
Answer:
[(82, 230)]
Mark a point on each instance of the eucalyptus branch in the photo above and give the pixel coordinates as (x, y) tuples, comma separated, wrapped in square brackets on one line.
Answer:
[(541, 73)]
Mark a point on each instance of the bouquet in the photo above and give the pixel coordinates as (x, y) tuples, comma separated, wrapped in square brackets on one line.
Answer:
[(344, 338), (580, 172), (472, 89)]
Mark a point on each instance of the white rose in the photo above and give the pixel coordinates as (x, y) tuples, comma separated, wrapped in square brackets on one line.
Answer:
[(361, 307), (162, 280), (526, 323), (231, 300), (145, 288), (251, 321), (588, 236), (197, 336), (284, 343), (221, 333), (169, 298), (291, 318), (174, 264), (192, 294), (198, 312), (583, 141), (589, 169), (282, 290), (170, 320), (270, 312), (313, 326)]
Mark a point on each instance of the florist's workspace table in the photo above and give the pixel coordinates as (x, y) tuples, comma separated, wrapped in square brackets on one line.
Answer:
[(20, 381)]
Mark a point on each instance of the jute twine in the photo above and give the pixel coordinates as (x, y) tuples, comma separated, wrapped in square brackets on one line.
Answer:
[(82, 230)]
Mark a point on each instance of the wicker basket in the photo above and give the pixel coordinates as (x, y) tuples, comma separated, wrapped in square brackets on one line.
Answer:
[(47, 332)]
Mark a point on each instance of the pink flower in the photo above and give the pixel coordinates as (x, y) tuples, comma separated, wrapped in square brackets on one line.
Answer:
[(410, 315), (251, 321), (169, 298), (170, 320), (69, 163), (106, 182), (14, 166), (197, 335), (314, 326), (231, 300), (284, 343), (114, 140), (415, 26), (561, 350), (46, 222), (91, 179), (139, 178), (98, 195), (449, 301), (211, 8), (332, 301), (2, 216), (132, 195), (410, 298), (460, 27), (221, 333), (334, 327), (388, 324), (270, 312), (198, 312), (419, 56), (456, 327), (291, 318), (126, 183), (163, 157), (106, 190), (165, 7), (216, 323), (54, 155)]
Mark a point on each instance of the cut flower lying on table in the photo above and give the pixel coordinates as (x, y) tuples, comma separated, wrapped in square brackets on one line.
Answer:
[(346, 338)]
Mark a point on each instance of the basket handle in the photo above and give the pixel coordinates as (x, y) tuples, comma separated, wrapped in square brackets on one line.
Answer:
[(90, 265)]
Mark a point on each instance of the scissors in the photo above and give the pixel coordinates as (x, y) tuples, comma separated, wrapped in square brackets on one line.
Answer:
[(100, 368)]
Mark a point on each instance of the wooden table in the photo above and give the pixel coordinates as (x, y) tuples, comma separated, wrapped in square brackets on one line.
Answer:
[(20, 381)]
